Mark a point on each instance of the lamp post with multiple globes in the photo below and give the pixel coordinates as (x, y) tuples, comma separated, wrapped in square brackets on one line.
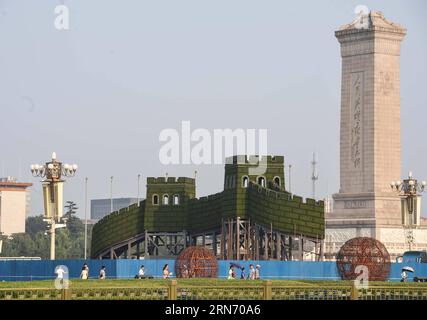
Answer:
[(409, 190), (52, 172)]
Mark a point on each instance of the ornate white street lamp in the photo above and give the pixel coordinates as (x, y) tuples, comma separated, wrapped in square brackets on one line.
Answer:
[(409, 190), (53, 172)]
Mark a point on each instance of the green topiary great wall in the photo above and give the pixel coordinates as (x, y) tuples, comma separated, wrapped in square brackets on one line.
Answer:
[(171, 206)]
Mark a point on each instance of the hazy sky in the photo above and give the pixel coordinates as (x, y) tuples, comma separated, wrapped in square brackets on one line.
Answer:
[(100, 93)]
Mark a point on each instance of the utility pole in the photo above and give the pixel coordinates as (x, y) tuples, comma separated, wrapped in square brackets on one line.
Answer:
[(85, 255), (314, 175), (52, 239), (195, 178), (137, 196), (111, 194)]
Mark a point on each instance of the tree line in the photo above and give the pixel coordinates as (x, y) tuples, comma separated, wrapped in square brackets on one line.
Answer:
[(35, 242)]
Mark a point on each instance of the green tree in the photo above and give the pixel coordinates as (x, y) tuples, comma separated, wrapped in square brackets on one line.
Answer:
[(75, 226), (63, 243), (71, 207), (20, 244), (35, 224), (42, 243)]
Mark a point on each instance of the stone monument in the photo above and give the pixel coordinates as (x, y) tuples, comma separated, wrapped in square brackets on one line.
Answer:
[(365, 205)]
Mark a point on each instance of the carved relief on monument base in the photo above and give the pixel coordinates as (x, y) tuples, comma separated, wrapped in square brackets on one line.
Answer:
[(344, 234), (397, 235)]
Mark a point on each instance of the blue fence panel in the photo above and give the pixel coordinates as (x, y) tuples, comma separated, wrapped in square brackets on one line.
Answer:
[(153, 267), (22, 270), (285, 270)]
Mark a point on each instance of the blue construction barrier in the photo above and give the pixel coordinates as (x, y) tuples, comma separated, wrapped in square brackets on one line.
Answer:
[(24, 270)]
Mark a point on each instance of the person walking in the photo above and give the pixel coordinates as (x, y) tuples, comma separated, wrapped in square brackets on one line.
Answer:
[(243, 274), (60, 274), (404, 276), (84, 275), (61, 281), (141, 273), (251, 272), (231, 273), (257, 272), (166, 272), (185, 273), (102, 274)]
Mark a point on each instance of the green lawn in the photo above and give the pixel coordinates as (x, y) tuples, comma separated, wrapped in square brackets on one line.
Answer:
[(132, 283)]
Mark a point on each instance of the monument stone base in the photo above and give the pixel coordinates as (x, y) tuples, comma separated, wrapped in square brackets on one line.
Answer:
[(395, 238)]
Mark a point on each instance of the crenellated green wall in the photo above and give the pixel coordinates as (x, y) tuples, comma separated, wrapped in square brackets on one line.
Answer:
[(205, 213), (118, 226), (268, 206), (286, 213), (171, 217)]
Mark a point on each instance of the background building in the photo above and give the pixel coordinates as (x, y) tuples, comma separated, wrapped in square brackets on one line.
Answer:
[(99, 208), (14, 205)]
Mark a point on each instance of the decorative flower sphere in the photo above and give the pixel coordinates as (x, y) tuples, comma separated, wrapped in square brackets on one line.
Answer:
[(196, 262), (361, 252)]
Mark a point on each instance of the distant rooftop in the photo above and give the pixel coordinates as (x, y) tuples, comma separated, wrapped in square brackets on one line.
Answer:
[(122, 198), (11, 183)]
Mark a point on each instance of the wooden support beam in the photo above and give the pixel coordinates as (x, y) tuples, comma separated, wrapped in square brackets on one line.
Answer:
[(214, 244), (224, 240), (301, 248), (249, 248), (283, 251), (230, 240), (156, 245), (265, 245), (237, 238), (271, 242), (146, 239), (257, 242), (128, 251), (138, 250)]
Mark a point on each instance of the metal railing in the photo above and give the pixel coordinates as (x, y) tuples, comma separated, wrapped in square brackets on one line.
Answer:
[(393, 293), (161, 293), (32, 294), (318, 293), (266, 291), (220, 293)]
